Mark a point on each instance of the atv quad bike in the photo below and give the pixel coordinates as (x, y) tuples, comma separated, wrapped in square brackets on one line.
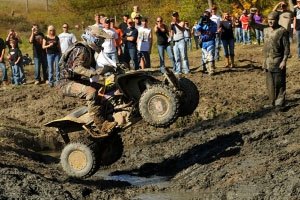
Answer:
[(128, 97)]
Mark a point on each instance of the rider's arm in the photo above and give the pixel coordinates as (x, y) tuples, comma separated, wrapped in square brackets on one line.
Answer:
[(81, 56)]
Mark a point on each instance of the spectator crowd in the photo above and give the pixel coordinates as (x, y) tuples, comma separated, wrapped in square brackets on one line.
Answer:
[(132, 42)]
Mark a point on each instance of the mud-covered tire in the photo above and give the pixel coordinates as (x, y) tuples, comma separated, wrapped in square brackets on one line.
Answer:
[(189, 99), (111, 150), (159, 105), (79, 160)]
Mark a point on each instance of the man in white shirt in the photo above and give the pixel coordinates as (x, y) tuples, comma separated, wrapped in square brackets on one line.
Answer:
[(217, 19), (109, 45), (144, 44), (66, 39)]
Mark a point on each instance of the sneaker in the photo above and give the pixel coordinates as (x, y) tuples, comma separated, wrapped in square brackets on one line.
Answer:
[(47, 82), (36, 82)]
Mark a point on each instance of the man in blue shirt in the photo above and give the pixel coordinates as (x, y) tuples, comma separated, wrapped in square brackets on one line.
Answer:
[(208, 29)]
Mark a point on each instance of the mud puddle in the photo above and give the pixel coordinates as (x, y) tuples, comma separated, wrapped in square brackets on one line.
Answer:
[(158, 181)]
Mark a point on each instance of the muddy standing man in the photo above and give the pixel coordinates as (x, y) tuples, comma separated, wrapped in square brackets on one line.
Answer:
[(276, 51)]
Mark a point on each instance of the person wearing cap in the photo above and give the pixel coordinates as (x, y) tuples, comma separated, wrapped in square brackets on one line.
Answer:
[(163, 44), (276, 51), (245, 27), (297, 25), (144, 44), (130, 49), (78, 70), (109, 45), (208, 29), (179, 47)]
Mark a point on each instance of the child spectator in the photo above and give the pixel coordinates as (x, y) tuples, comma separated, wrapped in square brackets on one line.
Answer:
[(13, 35), (144, 44), (14, 57)]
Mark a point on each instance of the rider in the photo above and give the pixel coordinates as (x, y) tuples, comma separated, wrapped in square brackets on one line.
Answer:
[(78, 66)]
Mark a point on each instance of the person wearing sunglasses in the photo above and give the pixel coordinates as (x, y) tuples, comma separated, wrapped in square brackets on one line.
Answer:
[(163, 43), (66, 39)]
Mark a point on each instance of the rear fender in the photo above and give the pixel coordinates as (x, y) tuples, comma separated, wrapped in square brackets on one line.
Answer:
[(133, 84)]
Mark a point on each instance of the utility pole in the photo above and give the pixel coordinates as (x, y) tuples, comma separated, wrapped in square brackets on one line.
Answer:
[(47, 5), (27, 10)]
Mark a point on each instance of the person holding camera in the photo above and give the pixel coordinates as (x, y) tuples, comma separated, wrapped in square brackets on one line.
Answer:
[(13, 35), (208, 29), (179, 47), (39, 54)]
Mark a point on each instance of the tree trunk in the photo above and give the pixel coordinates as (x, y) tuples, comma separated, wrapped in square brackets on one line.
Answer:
[(210, 3)]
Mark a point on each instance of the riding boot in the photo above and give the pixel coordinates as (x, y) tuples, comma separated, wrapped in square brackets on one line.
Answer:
[(232, 61), (103, 126)]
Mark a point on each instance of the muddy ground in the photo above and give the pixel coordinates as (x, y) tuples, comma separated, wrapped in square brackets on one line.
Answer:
[(230, 148)]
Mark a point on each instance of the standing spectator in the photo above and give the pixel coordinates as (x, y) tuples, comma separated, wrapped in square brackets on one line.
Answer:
[(109, 44), (14, 57), (136, 12), (245, 27), (208, 29), (162, 35), (227, 39), (137, 21), (2, 63), (13, 35), (179, 48), (123, 25), (297, 25), (196, 35), (286, 17), (66, 39), (217, 19), (144, 44), (52, 46), (39, 54), (129, 39), (119, 41), (276, 52), (258, 18), (187, 35), (238, 30), (98, 20)]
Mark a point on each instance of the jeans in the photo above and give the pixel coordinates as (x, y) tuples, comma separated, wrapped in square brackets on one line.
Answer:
[(217, 47), (188, 42), (131, 54), (180, 54), (161, 53), (246, 36), (4, 71), (228, 46), (238, 35), (113, 56), (16, 74), (21, 75), (298, 42), (259, 35), (53, 59), (146, 56), (38, 62)]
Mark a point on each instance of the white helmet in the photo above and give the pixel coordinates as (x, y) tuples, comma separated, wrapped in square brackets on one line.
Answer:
[(94, 36)]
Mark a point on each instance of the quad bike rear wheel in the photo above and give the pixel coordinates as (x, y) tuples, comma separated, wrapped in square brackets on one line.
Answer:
[(159, 105), (189, 98), (79, 159)]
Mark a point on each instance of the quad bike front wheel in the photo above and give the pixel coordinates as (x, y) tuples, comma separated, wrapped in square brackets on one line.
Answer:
[(79, 159), (159, 105), (189, 98)]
